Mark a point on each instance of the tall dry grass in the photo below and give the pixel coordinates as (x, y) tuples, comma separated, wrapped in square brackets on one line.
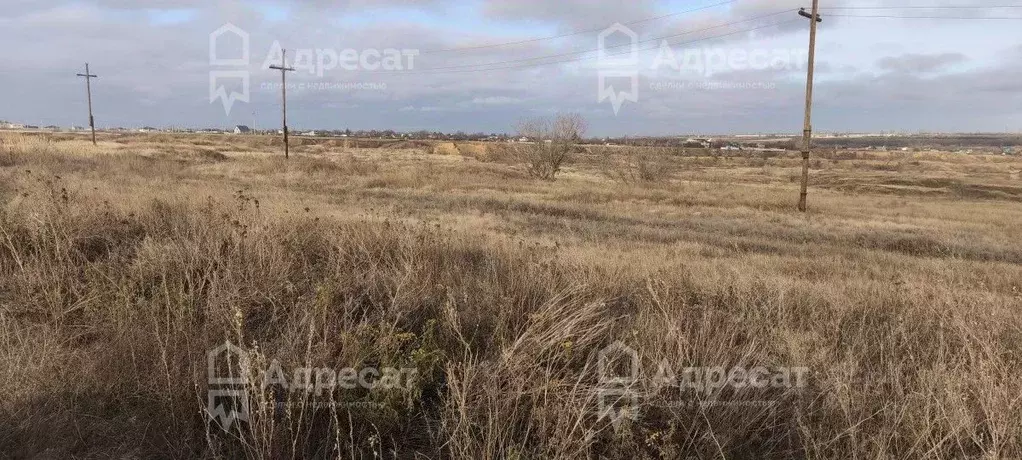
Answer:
[(500, 292)]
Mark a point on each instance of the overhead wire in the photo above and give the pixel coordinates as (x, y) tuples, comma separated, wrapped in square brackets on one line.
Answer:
[(531, 62), (580, 32), (960, 18), (471, 67)]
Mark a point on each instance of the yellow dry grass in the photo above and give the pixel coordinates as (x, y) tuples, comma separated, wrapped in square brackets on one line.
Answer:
[(121, 265)]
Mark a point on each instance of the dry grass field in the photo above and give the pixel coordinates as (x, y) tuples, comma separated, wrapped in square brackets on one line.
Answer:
[(121, 265)]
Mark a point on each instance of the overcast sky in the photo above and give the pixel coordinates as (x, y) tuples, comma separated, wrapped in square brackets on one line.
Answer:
[(725, 67)]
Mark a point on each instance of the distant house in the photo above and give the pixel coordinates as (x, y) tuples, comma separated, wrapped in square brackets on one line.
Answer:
[(242, 129), (309, 133), (698, 142)]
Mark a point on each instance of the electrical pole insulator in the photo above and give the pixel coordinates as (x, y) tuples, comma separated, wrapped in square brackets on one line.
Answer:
[(802, 12)]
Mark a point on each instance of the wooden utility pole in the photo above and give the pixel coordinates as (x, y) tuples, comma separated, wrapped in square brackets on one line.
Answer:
[(284, 69), (807, 128), (88, 90)]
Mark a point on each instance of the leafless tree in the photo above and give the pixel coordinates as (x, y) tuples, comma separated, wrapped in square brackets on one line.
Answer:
[(550, 143)]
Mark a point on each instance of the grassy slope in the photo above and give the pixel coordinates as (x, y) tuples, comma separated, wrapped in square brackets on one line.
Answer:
[(120, 265)]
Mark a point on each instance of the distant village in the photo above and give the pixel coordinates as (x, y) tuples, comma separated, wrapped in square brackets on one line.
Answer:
[(1005, 144), (243, 129)]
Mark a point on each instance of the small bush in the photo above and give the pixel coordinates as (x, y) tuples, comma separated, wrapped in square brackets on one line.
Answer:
[(637, 165), (551, 143)]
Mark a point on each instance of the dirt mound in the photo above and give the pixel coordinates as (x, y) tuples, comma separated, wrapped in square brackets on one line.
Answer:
[(445, 148), (408, 145), (471, 149)]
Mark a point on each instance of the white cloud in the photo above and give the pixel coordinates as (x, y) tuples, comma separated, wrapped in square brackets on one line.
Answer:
[(142, 67), (496, 100)]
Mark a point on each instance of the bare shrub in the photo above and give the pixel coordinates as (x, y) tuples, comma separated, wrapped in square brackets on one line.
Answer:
[(637, 165), (550, 143)]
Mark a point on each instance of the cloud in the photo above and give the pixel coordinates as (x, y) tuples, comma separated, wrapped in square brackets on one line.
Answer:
[(569, 14), (495, 100), (157, 74), (920, 63)]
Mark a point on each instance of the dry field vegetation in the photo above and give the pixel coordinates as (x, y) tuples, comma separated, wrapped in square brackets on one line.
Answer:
[(122, 264)]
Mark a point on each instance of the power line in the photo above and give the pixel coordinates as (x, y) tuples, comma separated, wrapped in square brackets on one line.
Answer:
[(597, 29), (483, 66), (461, 69), (589, 57), (960, 18), (612, 47), (952, 7), (693, 10), (465, 67), (503, 65)]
